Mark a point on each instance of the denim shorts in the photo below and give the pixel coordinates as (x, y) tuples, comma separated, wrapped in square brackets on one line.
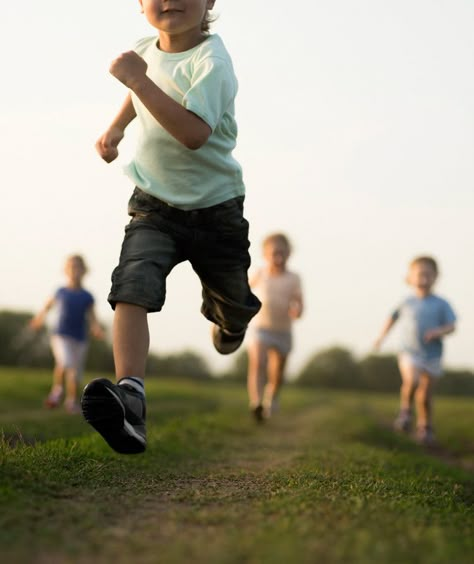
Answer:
[(214, 240)]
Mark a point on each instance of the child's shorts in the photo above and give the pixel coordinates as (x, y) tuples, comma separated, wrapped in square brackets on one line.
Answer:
[(69, 353), (432, 366), (282, 341), (214, 240)]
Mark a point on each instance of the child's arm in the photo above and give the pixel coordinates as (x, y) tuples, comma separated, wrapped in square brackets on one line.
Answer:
[(108, 142), (295, 310), (38, 320), (185, 126), (439, 332), (385, 330)]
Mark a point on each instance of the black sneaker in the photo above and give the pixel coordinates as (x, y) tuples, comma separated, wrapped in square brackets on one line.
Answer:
[(117, 412), (225, 343)]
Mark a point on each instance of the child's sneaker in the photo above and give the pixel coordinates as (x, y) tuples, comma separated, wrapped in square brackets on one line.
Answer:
[(403, 422), (226, 343), (117, 412), (425, 436), (53, 400)]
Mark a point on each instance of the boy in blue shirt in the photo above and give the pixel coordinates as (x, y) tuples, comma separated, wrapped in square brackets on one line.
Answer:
[(187, 204), (426, 319)]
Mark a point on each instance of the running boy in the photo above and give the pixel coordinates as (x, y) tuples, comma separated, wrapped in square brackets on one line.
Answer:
[(271, 338), (187, 204), (426, 319), (70, 334)]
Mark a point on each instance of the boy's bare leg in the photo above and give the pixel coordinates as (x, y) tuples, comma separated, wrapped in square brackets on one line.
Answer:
[(423, 398), (410, 377), (276, 369), (257, 369), (131, 340)]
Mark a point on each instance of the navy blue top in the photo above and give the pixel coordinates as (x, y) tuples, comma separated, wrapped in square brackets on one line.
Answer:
[(73, 305), (417, 316)]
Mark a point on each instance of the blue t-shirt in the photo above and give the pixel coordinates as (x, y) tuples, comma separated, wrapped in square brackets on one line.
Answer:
[(417, 316), (73, 306)]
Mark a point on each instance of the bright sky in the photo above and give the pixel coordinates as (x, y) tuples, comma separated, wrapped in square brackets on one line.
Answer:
[(356, 138)]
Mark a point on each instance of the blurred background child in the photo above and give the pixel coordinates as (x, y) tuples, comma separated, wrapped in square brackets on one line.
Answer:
[(425, 319), (69, 338), (270, 339)]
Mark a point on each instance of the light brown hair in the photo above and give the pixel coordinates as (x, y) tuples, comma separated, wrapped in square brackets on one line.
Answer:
[(430, 261), (277, 238)]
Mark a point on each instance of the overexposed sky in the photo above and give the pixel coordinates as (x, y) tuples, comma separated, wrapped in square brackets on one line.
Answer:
[(356, 137)]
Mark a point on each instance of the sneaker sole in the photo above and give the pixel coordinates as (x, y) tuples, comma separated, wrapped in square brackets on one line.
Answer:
[(104, 410)]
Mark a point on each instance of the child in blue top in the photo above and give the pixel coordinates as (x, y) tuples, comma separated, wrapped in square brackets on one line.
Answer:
[(187, 203), (70, 334), (426, 319)]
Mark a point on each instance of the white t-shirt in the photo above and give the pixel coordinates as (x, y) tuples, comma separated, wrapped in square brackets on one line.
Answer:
[(276, 294), (203, 81)]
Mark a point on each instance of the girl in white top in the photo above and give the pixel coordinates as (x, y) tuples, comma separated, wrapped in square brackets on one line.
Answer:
[(270, 340)]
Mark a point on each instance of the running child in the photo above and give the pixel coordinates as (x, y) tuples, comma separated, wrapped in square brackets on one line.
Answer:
[(426, 319), (69, 340), (187, 204), (270, 340)]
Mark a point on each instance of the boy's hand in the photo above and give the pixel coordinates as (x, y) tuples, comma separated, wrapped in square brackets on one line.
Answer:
[(129, 68), (431, 335), (107, 144)]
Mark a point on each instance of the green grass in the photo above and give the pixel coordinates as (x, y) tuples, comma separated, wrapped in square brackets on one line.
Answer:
[(325, 481)]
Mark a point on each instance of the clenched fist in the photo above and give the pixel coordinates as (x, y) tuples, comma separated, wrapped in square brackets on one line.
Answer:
[(108, 142), (129, 68)]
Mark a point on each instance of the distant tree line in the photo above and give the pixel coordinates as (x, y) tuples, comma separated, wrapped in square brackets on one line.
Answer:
[(22, 346), (334, 367)]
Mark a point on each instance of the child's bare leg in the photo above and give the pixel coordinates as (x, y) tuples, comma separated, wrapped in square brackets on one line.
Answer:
[(56, 392), (131, 340), (423, 398), (410, 376), (58, 378), (71, 384), (70, 401), (257, 357), (276, 369)]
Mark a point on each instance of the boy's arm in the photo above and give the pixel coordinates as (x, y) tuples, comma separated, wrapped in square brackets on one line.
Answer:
[(38, 320), (108, 142), (185, 126), (439, 332), (385, 330)]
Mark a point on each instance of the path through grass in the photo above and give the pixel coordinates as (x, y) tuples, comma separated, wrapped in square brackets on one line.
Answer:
[(325, 481)]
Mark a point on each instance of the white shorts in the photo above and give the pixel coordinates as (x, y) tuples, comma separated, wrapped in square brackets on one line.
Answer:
[(280, 340), (430, 365), (69, 353)]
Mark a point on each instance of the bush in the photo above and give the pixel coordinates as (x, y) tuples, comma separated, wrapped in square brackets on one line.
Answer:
[(379, 373), (185, 364), (334, 367)]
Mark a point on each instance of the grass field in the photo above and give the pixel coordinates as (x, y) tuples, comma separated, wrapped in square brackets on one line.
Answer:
[(325, 481)]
